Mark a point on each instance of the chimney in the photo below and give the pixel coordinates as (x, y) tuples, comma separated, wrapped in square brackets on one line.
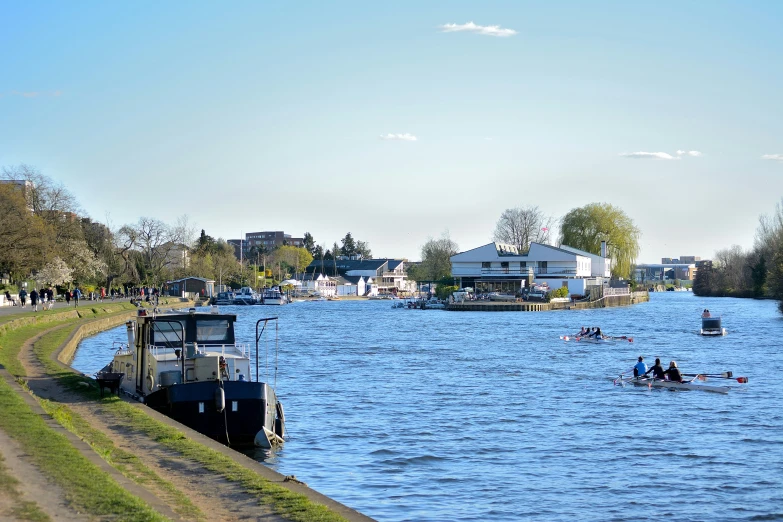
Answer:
[(603, 249)]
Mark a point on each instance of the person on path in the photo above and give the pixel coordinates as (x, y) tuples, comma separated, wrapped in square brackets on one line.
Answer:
[(34, 300), (673, 373), (77, 294), (103, 293), (23, 297), (67, 298), (9, 298), (640, 368), (50, 298), (657, 370)]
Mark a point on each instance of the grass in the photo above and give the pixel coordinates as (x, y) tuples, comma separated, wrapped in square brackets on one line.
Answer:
[(86, 487), (21, 509), (128, 464), (294, 506)]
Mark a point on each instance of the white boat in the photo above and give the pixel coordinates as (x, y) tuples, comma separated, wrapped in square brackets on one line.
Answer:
[(658, 383), (245, 296), (272, 296), (186, 364), (710, 327)]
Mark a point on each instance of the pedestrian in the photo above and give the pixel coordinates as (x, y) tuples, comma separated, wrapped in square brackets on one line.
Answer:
[(67, 298), (34, 300), (103, 293), (77, 294), (50, 297), (23, 297)]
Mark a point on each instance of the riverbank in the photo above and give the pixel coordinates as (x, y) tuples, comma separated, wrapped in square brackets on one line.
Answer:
[(112, 458)]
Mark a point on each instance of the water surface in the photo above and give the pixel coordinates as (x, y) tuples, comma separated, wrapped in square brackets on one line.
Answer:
[(446, 416)]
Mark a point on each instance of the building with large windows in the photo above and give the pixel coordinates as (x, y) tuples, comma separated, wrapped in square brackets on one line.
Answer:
[(498, 267)]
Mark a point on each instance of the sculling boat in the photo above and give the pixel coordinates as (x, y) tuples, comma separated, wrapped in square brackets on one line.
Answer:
[(674, 385)]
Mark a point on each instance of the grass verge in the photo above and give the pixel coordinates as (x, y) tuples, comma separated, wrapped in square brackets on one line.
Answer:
[(21, 509), (293, 506), (86, 487)]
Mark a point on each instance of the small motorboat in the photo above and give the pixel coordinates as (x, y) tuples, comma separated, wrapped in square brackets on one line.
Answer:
[(711, 327)]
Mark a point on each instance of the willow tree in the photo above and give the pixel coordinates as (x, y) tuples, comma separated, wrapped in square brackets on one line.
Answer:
[(585, 227)]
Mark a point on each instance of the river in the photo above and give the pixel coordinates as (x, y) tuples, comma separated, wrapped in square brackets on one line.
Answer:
[(466, 416)]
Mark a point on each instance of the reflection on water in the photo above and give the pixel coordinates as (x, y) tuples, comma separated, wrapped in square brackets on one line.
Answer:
[(432, 415)]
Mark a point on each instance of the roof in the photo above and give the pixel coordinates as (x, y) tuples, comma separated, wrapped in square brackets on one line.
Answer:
[(354, 279), (192, 279)]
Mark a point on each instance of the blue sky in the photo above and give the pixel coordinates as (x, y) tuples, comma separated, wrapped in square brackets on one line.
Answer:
[(251, 116)]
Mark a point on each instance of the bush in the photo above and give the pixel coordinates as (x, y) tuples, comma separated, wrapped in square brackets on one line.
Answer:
[(560, 292)]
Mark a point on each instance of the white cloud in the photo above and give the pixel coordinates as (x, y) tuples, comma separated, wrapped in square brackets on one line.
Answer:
[(648, 155), (694, 153), (774, 157), (399, 137), (487, 30)]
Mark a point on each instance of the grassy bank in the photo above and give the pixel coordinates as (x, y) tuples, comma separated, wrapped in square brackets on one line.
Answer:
[(89, 488)]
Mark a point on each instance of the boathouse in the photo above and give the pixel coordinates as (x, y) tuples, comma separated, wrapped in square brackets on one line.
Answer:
[(499, 267)]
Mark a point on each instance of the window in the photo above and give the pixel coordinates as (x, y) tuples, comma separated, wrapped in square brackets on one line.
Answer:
[(212, 330), (486, 264)]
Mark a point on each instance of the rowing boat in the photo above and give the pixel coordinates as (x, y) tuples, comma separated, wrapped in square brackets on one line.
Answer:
[(658, 383)]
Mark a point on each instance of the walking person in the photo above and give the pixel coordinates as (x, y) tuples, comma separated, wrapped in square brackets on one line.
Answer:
[(23, 297), (77, 294), (67, 298), (34, 300), (50, 297)]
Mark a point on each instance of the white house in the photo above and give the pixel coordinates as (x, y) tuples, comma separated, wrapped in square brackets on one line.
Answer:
[(498, 267)]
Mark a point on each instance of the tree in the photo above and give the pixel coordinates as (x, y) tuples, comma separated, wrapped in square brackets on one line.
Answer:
[(55, 273), (309, 243), (521, 226), (585, 227), (436, 258), (349, 245), (50, 201), (335, 253), (758, 276), (703, 282), (363, 250), (22, 234)]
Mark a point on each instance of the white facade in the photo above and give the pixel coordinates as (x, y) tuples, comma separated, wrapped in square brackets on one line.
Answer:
[(501, 266)]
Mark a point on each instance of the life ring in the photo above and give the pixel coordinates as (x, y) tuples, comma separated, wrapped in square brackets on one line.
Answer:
[(150, 382)]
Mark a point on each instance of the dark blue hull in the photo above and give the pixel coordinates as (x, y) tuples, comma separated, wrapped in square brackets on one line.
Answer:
[(248, 407)]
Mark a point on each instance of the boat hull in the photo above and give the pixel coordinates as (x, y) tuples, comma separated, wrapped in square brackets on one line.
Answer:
[(673, 385), (249, 407)]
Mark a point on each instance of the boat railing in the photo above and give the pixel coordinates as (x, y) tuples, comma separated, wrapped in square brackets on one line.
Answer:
[(240, 349)]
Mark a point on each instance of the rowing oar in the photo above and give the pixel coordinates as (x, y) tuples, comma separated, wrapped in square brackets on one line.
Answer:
[(723, 375), (624, 337)]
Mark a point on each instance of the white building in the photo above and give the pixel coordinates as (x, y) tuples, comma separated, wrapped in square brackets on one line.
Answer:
[(498, 267)]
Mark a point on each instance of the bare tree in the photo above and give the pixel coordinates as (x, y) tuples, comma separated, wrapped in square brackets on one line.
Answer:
[(522, 226), (436, 257), (50, 201)]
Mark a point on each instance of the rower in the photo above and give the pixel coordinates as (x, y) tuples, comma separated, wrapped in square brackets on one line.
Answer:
[(584, 331), (598, 334), (639, 368), (673, 373), (657, 370)]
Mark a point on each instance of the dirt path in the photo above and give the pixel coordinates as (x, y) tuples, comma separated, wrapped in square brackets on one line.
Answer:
[(32, 486), (217, 498)]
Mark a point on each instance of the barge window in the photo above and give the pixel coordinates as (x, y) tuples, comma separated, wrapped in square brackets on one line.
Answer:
[(165, 332), (214, 330)]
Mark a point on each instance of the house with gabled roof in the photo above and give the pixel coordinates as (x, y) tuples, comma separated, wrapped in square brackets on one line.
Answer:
[(388, 275), (499, 267)]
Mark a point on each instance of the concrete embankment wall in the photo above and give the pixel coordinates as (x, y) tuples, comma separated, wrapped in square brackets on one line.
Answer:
[(527, 306)]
